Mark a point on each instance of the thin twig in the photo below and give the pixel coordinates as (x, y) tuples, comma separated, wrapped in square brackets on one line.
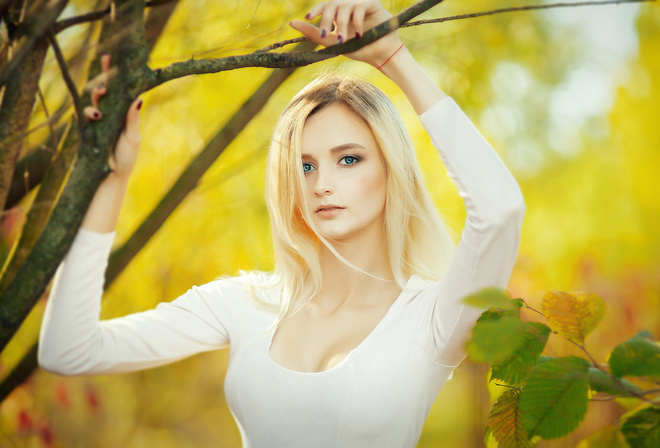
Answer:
[(281, 44), (50, 124), (519, 8), (71, 86)]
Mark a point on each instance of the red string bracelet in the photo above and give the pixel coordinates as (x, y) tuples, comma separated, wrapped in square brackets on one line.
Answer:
[(388, 59)]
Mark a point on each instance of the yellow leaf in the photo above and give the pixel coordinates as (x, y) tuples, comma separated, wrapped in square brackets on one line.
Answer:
[(573, 315)]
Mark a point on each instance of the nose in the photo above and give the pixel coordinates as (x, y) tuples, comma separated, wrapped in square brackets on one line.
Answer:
[(323, 185)]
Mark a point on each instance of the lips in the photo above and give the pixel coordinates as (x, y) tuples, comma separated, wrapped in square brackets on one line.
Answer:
[(326, 208), (328, 211)]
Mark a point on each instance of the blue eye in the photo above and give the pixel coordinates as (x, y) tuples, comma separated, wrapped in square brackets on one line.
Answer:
[(307, 167), (349, 160)]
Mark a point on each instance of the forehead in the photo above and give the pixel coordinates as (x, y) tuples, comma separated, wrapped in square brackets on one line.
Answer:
[(335, 125)]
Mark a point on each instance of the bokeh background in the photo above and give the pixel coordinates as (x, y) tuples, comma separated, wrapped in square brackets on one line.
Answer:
[(568, 97)]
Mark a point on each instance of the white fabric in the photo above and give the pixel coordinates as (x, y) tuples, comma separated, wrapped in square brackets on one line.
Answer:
[(380, 394)]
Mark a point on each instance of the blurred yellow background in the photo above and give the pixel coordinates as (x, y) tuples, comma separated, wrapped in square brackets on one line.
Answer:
[(569, 98)]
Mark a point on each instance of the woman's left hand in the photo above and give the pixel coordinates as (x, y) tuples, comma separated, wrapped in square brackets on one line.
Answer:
[(351, 19)]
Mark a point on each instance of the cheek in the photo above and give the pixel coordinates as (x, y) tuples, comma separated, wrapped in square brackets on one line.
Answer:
[(374, 187)]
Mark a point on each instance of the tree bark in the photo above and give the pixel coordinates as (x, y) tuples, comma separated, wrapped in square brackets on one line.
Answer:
[(15, 113)]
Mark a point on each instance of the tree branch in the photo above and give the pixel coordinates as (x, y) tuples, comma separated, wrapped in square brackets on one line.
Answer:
[(15, 112), (284, 60), (71, 86)]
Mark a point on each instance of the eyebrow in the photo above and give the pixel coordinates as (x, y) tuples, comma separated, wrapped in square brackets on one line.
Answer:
[(343, 147)]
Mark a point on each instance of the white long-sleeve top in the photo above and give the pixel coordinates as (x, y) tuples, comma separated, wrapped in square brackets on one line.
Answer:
[(380, 394)]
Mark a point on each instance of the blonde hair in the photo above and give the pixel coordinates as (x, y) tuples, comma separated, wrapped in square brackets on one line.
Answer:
[(418, 241)]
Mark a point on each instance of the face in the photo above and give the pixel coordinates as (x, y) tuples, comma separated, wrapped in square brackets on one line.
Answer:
[(345, 176)]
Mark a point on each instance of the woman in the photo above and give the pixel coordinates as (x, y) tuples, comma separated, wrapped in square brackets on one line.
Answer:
[(350, 340)]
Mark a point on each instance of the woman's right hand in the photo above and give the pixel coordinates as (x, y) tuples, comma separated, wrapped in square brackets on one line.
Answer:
[(124, 154)]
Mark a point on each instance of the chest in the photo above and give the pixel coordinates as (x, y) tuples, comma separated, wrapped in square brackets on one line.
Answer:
[(311, 341)]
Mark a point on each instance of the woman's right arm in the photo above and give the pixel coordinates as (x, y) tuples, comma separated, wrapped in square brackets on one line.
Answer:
[(73, 341)]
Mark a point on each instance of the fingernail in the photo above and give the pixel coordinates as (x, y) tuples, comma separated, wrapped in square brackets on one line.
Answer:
[(308, 16), (358, 35), (340, 39), (97, 115), (139, 105), (323, 32)]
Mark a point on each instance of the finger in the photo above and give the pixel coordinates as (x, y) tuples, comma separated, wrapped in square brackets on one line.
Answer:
[(312, 33), (106, 62), (358, 20), (328, 16), (343, 15), (132, 124), (315, 11), (92, 113), (97, 93)]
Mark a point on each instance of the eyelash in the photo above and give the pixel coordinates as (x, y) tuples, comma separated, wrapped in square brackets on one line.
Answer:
[(356, 159)]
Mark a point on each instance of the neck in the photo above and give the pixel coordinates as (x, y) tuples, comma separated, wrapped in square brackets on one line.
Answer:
[(343, 283)]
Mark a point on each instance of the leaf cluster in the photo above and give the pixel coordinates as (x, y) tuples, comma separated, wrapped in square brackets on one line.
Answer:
[(547, 397)]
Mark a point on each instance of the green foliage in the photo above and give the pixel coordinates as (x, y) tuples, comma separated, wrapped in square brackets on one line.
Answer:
[(555, 398), (516, 368), (493, 298), (642, 429), (638, 356), (550, 396), (496, 337), (505, 423)]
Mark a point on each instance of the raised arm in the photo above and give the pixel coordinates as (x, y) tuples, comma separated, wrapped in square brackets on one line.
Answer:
[(73, 341)]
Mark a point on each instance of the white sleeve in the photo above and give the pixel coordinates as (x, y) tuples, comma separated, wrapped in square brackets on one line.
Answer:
[(489, 243), (74, 342)]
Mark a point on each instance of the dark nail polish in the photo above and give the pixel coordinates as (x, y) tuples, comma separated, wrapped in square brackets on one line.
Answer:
[(139, 105), (358, 35), (340, 39), (308, 16), (97, 115), (323, 33)]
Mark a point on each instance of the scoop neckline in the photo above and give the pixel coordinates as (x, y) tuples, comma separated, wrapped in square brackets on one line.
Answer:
[(377, 329)]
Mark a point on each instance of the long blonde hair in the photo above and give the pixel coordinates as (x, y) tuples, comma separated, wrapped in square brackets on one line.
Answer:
[(418, 241)]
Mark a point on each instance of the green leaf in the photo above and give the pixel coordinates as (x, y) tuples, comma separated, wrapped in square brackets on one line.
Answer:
[(492, 298), (515, 369), (609, 437), (505, 424), (554, 401), (638, 356), (573, 315), (603, 382), (495, 337), (642, 429)]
